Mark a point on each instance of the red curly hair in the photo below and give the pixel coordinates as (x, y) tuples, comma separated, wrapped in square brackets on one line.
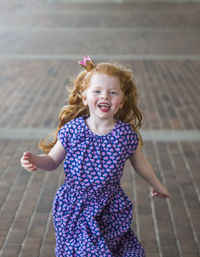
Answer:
[(128, 113)]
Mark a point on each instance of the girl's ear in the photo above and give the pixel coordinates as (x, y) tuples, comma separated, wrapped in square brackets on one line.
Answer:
[(84, 98), (121, 104)]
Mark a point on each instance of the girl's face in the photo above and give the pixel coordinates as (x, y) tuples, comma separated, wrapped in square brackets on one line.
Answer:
[(104, 96)]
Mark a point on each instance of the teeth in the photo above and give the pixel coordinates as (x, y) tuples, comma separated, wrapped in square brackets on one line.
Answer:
[(104, 105)]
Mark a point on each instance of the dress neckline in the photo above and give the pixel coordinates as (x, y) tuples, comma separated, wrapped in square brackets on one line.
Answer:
[(96, 135)]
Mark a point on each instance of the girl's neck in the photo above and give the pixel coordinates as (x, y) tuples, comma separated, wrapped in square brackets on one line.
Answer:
[(100, 126)]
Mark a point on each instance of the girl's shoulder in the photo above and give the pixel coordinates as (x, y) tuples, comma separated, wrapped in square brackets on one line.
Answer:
[(73, 125), (129, 136), (74, 122), (127, 133), (125, 128)]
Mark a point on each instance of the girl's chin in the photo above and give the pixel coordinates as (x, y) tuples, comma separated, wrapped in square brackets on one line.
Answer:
[(104, 110)]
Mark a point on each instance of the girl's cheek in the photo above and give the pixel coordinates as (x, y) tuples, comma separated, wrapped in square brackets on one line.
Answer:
[(118, 101)]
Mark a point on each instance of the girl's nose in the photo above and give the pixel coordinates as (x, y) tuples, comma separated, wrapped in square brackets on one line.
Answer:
[(104, 95)]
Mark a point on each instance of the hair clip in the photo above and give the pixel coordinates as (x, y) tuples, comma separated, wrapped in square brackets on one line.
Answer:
[(87, 63)]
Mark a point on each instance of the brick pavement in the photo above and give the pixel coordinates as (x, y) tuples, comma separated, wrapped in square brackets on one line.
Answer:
[(39, 45)]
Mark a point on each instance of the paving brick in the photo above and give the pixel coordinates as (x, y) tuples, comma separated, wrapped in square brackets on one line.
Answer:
[(152, 247), (169, 250), (154, 41), (32, 244), (20, 223), (189, 248), (16, 237), (11, 250), (27, 253), (48, 250)]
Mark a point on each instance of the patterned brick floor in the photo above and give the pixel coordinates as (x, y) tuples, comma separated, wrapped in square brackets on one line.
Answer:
[(39, 47)]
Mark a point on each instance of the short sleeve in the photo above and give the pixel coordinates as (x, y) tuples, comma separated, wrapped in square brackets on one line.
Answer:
[(63, 136), (133, 142)]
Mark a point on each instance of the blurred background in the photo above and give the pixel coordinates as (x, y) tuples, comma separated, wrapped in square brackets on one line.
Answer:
[(41, 42)]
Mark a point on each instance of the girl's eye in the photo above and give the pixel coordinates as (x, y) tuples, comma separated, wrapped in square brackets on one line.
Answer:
[(113, 92), (97, 91)]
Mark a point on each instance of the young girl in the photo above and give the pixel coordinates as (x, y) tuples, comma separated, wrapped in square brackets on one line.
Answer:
[(98, 132)]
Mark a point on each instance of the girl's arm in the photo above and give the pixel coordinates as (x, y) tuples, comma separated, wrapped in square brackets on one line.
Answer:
[(49, 162), (145, 170)]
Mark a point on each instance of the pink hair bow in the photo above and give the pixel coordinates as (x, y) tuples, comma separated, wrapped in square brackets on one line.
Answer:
[(87, 63), (85, 59)]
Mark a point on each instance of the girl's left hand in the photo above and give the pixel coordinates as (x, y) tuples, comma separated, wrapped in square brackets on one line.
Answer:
[(163, 194)]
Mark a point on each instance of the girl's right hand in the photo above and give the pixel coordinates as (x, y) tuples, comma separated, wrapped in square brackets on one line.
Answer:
[(163, 193), (27, 162)]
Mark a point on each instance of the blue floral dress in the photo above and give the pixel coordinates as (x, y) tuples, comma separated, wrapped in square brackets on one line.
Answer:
[(92, 215)]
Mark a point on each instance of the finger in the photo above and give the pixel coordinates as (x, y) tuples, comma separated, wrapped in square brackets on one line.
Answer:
[(27, 155), (24, 159), (162, 196), (31, 169), (29, 166), (157, 194), (23, 162), (154, 193)]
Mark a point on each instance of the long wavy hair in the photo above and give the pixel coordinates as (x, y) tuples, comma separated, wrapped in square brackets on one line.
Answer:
[(128, 113)]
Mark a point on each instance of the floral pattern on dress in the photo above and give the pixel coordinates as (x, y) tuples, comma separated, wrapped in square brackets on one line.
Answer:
[(92, 214)]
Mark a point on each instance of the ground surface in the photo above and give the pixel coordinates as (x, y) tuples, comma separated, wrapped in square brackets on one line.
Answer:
[(39, 48)]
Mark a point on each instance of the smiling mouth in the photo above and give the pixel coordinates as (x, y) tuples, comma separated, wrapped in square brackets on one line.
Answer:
[(104, 107)]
